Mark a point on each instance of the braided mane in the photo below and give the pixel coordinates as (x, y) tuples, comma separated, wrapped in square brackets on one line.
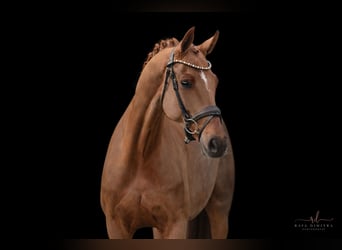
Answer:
[(162, 44)]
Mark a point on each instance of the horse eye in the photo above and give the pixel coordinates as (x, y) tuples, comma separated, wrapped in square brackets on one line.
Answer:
[(186, 84)]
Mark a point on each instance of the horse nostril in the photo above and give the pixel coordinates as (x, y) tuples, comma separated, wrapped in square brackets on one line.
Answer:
[(216, 147), (213, 145)]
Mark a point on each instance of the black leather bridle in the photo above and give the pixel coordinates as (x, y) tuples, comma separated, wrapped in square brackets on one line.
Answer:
[(209, 111)]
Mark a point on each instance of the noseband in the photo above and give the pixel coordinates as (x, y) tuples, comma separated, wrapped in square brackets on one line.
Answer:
[(209, 111)]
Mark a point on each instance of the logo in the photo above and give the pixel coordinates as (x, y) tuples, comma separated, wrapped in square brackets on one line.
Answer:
[(314, 223)]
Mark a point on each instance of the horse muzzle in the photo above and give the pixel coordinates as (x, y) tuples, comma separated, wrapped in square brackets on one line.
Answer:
[(216, 147), (214, 139)]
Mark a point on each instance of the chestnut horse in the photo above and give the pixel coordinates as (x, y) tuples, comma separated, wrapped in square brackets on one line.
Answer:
[(152, 176)]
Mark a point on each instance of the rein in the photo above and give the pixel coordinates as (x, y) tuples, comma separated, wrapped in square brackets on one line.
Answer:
[(209, 111)]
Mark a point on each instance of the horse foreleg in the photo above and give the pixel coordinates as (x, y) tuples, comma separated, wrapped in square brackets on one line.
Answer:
[(218, 223), (115, 230), (176, 230), (156, 233)]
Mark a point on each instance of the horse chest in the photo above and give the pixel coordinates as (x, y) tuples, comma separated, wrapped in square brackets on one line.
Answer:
[(176, 186), (150, 203)]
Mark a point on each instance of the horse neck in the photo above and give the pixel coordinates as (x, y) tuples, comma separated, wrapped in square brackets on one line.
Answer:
[(151, 128), (145, 112)]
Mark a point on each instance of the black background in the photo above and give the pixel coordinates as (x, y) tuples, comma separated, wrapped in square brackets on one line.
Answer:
[(277, 91)]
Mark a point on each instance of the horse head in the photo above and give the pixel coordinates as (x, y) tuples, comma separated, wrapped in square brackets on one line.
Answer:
[(189, 94)]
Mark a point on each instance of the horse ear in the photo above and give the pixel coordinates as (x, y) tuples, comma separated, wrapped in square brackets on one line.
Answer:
[(207, 46), (187, 40)]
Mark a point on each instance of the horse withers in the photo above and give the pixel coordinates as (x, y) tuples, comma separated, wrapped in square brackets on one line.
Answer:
[(169, 164)]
